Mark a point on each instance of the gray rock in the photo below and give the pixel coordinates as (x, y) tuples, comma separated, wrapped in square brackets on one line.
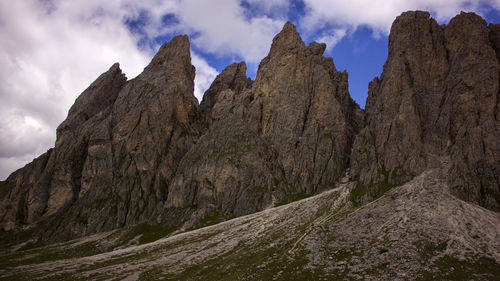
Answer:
[(436, 96), (286, 136), (142, 150), (115, 153)]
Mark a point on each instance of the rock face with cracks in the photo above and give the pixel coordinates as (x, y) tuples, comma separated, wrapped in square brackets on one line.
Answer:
[(115, 154), (144, 151), (438, 95), (141, 152), (287, 134)]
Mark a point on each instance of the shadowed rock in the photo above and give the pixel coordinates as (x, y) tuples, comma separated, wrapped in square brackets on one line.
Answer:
[(115, 153), (142, 150), (286, 136), (437, 95), (234, 78)]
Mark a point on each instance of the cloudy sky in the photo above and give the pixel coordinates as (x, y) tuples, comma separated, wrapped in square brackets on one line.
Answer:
[(51, 50)]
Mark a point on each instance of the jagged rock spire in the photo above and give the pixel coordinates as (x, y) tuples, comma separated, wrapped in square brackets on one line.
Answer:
[(175, 50), (142, 150), (287, 40), (101, 94), (233, 77)]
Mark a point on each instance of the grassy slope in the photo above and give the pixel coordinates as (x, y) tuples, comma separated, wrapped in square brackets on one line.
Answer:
[(414, 232)]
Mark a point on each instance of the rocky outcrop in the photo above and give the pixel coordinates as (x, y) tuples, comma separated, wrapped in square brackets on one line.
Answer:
[(234, 78), (438, 95), (287, 136), (115, 153), (305, 112), (144, 151), (53, 181)]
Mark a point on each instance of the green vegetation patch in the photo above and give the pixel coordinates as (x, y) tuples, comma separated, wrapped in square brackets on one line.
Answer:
[(448, 267), (48, 253), (429, 250), (147, 232), (12, 238), (247, 262), (362, 193), (289, 198), (214, 217)]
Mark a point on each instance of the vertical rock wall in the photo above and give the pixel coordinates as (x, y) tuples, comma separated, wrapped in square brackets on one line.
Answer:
[(437, 96)]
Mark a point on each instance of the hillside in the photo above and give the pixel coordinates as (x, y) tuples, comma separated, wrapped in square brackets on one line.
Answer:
[(417, 231), (282, 177)]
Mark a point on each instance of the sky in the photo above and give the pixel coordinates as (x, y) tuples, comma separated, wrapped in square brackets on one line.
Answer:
[(51, 50)]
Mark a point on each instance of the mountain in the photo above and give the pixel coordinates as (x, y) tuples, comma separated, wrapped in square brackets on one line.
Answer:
[(438, 96), (408, 188), (115, 153), (142, 150)]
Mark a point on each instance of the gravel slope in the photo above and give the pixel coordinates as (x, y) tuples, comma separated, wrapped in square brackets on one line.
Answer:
[(417, 231)]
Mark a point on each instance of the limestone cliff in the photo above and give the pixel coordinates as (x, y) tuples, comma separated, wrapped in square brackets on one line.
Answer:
[(286, 136), (438, 95), (115, 153), (144, 151)]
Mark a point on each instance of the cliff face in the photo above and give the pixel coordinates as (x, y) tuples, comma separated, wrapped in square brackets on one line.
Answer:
[(438, 95), (283, 136), (115, 153), (52, 183), (143, 150)]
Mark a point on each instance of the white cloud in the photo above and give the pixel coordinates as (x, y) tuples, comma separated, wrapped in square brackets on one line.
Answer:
[(220, 27), (49, 53), (332, 37), (10, 164), (205, 75), (495, 4), (275, 8), (340, 18), (379, 15)]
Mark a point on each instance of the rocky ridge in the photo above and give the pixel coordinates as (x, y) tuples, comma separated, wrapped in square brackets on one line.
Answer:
[(143, 150), (130, 151), (114, 154), (288, 134), (438, 95)]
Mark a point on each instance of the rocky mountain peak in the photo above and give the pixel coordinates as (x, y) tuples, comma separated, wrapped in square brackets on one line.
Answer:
[(287, 41), (100, 95), (316, 48), (233, 77), (175, 50), (285, 134), (143, 151), (410, 28), (173, 62)]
